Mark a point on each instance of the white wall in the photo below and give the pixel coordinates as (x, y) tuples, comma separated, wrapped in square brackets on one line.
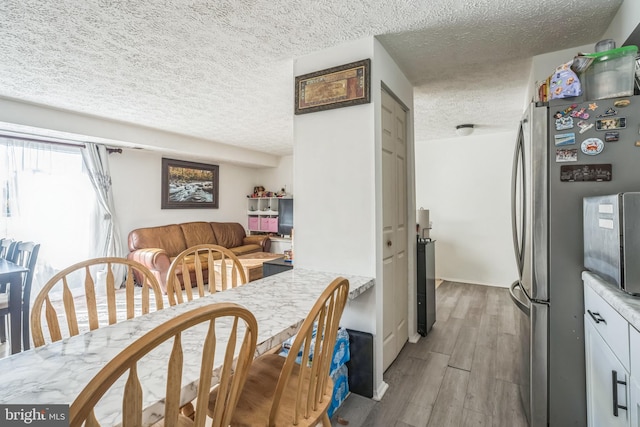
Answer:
[(337, 174), (465, 184), (626, 20), (136, 188), (273, 179)]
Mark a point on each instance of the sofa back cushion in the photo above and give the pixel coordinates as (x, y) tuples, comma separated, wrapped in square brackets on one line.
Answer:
[(167, 237), (228, 234), (198, 233)]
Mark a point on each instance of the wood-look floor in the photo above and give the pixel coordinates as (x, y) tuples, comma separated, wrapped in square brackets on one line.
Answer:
[(463, 373)]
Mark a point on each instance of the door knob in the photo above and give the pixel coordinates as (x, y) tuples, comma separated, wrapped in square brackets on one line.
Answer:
[(389, 243)]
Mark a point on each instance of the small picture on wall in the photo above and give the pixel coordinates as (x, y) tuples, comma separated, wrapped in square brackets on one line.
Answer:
[(187, 185)]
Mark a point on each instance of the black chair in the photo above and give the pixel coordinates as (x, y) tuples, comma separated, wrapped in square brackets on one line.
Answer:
[(7, 246), (26, 255)]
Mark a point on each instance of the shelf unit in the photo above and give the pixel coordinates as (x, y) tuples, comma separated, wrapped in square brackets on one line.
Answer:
[(262, 213)]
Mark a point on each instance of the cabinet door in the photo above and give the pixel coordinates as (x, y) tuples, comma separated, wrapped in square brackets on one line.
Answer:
[(634, 402), (602, 394)]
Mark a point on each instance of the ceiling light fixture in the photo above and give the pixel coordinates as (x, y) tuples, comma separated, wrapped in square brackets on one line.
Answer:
[(464, 130)]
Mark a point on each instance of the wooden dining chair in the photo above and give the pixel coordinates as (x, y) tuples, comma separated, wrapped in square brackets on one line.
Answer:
[(24, 254), (281, 392), (196, 261), (76, 311), (229, 325)]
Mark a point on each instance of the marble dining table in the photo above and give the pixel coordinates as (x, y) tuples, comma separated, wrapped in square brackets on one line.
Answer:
[(57, 372)]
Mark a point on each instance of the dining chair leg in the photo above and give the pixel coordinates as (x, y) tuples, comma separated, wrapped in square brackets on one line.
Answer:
[(25, 327), (3, 330), (326, 422)]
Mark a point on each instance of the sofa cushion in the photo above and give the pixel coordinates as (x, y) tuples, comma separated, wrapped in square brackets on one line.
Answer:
[(246, 249), (198, 233), (228, 234), (167, 237)]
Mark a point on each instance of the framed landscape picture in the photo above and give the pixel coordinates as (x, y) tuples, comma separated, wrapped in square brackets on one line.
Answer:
[(188, 185), (336, 87)]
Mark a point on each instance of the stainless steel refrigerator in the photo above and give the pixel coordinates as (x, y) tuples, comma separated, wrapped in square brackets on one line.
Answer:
[(565, 151)]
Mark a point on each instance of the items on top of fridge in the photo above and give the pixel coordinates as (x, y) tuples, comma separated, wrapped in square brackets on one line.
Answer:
[(564, 83), (610, 74)]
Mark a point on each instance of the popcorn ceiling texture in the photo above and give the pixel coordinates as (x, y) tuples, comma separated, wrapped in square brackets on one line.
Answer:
[(223, 70)]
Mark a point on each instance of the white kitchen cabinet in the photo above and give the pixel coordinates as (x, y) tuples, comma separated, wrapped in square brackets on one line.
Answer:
[(606, 401), (634, 399), (634, 403)]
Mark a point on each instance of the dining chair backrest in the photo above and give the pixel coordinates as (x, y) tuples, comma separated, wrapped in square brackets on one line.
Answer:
[(296, 391), (196, 262), (98, 276), (6, 248), (26, 255), (318, 331), (226, 322)]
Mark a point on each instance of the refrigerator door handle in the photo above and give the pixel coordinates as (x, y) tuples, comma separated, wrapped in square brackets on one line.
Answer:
[(524, 307), (517, 228)]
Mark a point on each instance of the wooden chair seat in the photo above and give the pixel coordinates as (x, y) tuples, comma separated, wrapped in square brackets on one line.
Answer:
[(280, 392), (258, 393)]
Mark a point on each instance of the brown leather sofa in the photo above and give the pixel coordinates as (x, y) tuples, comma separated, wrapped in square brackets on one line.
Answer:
[(156, 247)]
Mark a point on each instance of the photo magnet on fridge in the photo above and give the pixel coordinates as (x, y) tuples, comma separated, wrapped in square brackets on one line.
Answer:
[(612, 123), (565, 139), (566, 155), (611, 136)]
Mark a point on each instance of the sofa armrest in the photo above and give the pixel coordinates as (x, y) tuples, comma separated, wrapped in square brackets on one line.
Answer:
[(262, 240), (155, 259)]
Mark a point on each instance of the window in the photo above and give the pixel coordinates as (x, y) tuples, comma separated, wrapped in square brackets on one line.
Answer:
[(47, 198)]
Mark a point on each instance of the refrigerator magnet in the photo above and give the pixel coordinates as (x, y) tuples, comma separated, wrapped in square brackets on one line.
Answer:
[(580, 114), (592, 146), (621, 103), (563, 123), (610, 112), (613, 123), (593, 106), (584, 126), (566, 155), (612, 136), (565, 139), (577, 173)]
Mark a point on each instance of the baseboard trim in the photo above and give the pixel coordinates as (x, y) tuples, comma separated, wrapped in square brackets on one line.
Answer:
[(382, 389), (471, 282), (414, 338)]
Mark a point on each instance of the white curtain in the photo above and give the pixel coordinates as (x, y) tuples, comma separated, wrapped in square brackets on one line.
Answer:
[(96, 161)]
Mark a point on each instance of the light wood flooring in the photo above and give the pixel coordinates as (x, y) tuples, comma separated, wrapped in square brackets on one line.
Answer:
[(463, 373)]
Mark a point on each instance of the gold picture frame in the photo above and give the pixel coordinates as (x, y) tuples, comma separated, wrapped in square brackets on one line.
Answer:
[(336, 87)]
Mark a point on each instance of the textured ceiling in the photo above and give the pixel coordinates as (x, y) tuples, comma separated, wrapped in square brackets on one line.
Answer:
[(222, 70)]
